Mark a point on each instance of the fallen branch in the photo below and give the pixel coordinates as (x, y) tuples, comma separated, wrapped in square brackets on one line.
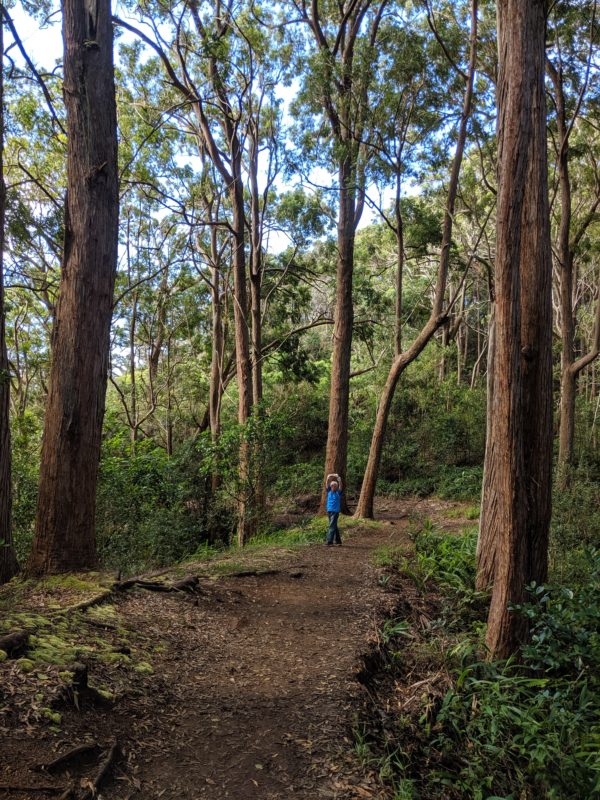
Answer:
[(96, 600), (152, 586), (14, 643)]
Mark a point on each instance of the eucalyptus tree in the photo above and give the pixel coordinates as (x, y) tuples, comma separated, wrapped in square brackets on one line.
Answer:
[(65, 526), (575, 94), (439, 311), (8, 560), (219, 59), (517, 500), (342, 59)]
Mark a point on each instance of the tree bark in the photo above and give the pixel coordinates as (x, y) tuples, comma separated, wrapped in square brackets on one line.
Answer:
[(64, 534), (521, 426), (488, 533), (8, 559), (399, 267), (215, 395), (336, 454), (242, 350), (437, 318), (256, 265)]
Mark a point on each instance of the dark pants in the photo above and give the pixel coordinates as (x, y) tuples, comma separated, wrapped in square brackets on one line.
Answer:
[(333, 534)]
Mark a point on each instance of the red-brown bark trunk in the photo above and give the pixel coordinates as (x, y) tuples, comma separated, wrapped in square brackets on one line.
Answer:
[(521, 426), (65, 535), (336, 454), (242, 351)]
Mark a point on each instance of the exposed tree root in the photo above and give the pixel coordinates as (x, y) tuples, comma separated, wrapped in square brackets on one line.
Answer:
[(253, 573), (104, 770), (189, 584), (74, 754)]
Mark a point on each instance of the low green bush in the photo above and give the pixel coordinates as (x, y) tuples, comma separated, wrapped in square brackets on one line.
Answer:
[(575, 529), (531, 724), (448, 482), (460, 483), (526, 728)]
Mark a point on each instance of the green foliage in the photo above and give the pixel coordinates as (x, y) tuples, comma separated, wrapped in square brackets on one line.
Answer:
[(575, 528), (448, 482), (460, 483), (149, 507), (528, 727), (436, 436), (535, 722), (25, 474), (388, 555)]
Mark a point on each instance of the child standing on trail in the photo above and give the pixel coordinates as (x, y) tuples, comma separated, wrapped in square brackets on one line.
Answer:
[(334, 504)]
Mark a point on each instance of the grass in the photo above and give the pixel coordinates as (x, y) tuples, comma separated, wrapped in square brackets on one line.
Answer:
[(388, 555)]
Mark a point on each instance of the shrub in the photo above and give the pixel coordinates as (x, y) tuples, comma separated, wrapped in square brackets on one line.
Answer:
[(528, 727)]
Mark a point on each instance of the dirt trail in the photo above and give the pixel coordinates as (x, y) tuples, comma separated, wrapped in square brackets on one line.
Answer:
[(255, 682)]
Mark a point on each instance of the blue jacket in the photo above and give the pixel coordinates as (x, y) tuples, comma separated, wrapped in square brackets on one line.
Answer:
[(334, 500)]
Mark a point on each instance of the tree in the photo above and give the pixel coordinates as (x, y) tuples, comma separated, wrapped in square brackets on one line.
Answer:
[(572, 226), (343, 68), (214, 69), (65, 530), (517, 502), (8, 559), (438, 314)]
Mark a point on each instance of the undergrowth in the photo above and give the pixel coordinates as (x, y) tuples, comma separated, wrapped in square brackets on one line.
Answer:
[(523, 729)]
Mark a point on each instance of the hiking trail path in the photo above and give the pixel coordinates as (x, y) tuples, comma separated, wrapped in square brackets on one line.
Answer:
[(256, 680)]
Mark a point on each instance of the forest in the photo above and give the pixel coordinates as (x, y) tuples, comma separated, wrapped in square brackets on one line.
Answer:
[(246, 246)]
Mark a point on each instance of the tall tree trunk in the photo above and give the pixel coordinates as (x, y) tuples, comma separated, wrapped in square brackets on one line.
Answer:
[(8, 559), (336, 454), (488, 518), (169, 408), (521, 427), (132, 373), (215, 395), (444, 346), (65, 532), (256, 267), (399, 267), (437, 318), (242, 351), (568, 380)]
